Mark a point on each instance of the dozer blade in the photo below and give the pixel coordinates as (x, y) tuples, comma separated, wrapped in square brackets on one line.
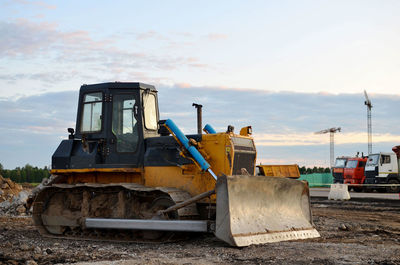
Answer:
[(261, 209)]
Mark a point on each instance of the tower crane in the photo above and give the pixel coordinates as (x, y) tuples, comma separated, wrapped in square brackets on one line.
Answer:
[(368, 103), (331, 132)]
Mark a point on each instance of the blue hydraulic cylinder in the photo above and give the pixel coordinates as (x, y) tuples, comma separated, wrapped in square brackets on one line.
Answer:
[(209, 129), (185, 142)]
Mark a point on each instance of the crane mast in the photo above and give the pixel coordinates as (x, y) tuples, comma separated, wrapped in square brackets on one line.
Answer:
[(331, 132), (368, 103)]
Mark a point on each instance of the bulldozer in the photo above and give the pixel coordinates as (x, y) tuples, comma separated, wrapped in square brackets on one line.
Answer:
[(124, 174)]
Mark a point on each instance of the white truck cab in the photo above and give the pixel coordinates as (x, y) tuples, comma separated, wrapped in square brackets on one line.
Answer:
[(383, 168)]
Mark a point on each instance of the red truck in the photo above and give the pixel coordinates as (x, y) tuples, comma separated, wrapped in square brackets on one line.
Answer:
[(337, 170), (353, 173)]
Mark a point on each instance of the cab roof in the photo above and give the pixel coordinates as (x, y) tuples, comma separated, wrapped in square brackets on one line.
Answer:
[(117, 85)]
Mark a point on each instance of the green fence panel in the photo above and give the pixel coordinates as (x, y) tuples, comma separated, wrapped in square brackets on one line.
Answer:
[(318, 179)]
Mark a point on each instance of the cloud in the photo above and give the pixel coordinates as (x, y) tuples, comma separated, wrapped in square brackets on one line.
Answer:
[(285, 112), (216, 36), (48, 113), (306, 139), (43, 53), (23, 39), (39, 4), (283, 123), (151, 35), (32, 127), (44, 76), (41, 57)]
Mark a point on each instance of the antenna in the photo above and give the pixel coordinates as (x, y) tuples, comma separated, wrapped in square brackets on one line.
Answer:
[(331, 132), (368, 103)]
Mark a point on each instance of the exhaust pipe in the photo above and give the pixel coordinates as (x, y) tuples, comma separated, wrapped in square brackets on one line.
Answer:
[(199, 117)]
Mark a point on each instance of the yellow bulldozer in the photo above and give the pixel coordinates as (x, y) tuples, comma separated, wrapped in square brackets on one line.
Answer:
[(124, 174)]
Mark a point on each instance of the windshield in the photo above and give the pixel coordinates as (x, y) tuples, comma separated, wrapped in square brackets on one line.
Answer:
[(340, 162), (351, 164), (91, 114), (150, 111), (373, 160)]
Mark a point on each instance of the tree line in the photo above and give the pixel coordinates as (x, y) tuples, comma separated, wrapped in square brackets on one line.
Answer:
[(309, 170), (26, 173), (32, 174)]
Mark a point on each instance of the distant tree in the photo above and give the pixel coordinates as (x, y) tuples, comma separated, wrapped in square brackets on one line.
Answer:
[(27, 173), (309, 170), (17, 175), (1, 169)]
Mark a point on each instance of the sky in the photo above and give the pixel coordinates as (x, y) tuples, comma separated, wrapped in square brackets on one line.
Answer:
[(287, 68)]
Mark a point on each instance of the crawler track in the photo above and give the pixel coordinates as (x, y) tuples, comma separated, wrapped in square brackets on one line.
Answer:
[(59, 210)]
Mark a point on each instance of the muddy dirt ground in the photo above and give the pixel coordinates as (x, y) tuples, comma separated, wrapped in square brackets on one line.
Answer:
[(352, 232)]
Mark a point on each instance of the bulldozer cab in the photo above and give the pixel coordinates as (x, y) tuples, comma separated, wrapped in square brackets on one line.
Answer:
[(112, 122)]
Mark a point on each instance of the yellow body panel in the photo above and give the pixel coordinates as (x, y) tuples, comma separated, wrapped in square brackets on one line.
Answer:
[(101, 175), (192, 181), (282, 171), (218, 149), (87, 170)]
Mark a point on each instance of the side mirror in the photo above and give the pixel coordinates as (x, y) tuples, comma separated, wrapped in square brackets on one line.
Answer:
[(71, 131)]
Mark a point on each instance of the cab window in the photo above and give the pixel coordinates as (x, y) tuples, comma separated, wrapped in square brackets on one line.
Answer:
[(385, 159), (351, 164), (124, 123), (91, 114), (150, 111)]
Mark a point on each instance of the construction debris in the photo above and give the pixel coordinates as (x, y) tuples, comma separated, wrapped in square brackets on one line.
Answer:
[(12, 198)]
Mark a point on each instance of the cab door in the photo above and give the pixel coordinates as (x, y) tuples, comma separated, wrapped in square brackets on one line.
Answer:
[(359, 174), (394, 166), (125, 135), (385, 166)]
